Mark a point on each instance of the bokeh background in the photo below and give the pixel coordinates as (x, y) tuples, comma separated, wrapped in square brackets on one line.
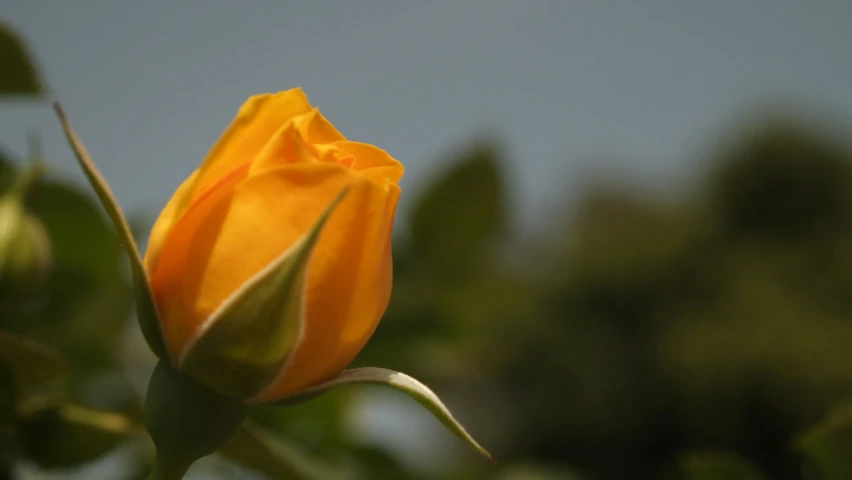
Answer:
[(625, 235)]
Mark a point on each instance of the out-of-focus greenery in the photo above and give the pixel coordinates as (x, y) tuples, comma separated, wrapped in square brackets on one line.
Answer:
[(700, 336)]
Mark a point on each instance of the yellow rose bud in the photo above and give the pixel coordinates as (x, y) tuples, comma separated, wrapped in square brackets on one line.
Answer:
[(261, 189)]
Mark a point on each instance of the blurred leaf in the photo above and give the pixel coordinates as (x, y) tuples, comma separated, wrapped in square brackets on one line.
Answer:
[(719, 466), (261, 450), (83, 240), (18, 75), (537, 472), (399, 381), (73, 434), (7, 169), (784, 182), (31, 364), (828, 446), (146, 310), (8, 419), (318, 424), (461, 212), (374, 462)]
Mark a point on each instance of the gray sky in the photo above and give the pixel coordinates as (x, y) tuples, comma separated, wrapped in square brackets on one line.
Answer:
[(151, 85)]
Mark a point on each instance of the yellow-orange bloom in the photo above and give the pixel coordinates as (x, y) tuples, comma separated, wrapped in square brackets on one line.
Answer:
[(264, 184)]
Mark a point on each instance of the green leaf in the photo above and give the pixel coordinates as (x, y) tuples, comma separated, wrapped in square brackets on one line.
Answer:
[(245, 343), (399, 381), (259, 449), (83, 239), (828, 446), (146, 310), (73, 434), (719, 466), (83, 305), (454, 219), (33, 366), (18, 75)]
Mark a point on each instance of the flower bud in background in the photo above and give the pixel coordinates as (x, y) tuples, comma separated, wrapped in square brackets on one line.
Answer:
[(25, 251), (271, 265)]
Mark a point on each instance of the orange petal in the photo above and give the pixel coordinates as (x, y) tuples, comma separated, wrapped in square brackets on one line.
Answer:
[(286, 146), (349, 286), (315, 128), (256, 122), (232, 233), (167, 219), (368, 156), (189, 238)]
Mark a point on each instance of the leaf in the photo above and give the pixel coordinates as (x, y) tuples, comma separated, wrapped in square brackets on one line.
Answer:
[(261, 450), (32, 365), (399, 381), (18, 75), (245, 343), (719, 466), (460, 212), (828, 446), (74, 434), (86, 298), (83, 240), (146, 310)]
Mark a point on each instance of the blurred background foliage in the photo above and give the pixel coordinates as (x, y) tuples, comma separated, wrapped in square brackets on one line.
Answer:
[(702, 335)]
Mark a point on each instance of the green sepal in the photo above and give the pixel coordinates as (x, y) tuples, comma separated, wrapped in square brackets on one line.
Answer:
[(399, 381), (244, 344), (146, 310), (186, 420)]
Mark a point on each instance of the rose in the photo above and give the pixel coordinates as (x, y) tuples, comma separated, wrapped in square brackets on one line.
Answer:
[(265, 275), (261, 189)]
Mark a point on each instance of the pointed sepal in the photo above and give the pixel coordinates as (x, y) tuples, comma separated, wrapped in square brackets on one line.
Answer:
[(399, 381), (146, 310), (245, 343)]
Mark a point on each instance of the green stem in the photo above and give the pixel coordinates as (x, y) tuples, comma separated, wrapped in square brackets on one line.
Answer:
[(186, 420), (166, 470)]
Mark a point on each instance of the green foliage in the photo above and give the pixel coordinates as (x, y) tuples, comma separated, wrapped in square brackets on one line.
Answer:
[(828, 447), (456, 217), (18, 75), (69, 434), (263, 451), (719, 466)]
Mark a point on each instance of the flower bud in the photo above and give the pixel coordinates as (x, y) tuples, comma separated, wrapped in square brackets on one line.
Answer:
[(25, 251), (266, 279)]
